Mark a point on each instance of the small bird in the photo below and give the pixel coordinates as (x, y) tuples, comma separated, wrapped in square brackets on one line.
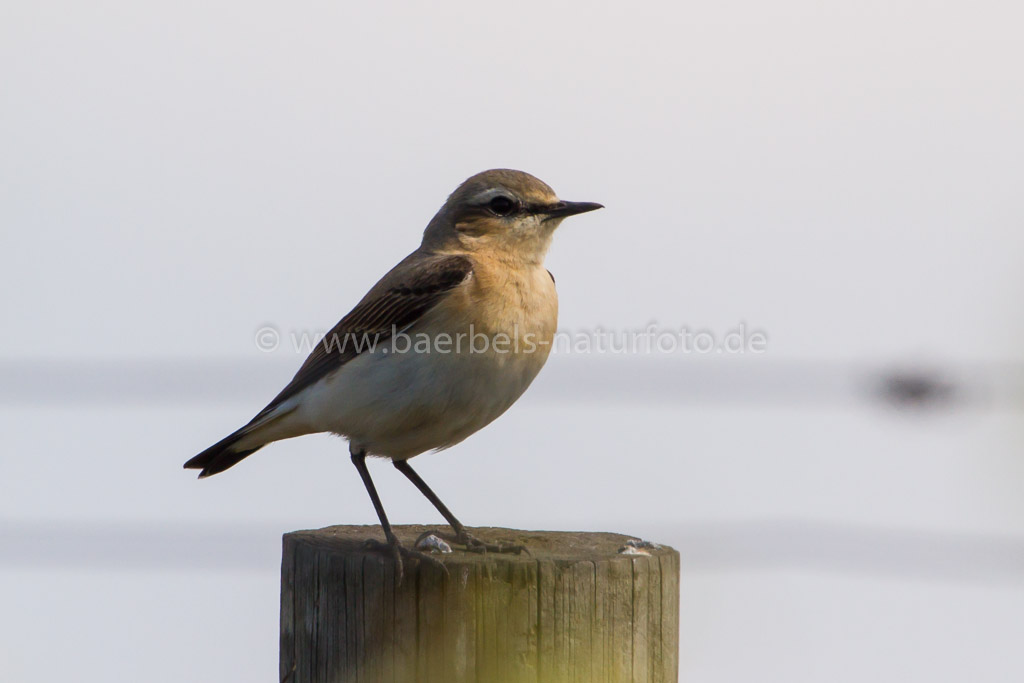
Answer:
[(442, 345)]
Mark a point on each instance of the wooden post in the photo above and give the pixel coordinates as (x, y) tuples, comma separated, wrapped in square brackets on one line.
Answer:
[(575, 610)]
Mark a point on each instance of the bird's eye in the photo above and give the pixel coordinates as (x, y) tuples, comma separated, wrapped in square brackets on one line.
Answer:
[(502, 206)]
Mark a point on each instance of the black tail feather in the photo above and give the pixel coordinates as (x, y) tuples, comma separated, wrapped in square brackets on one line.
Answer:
[(220, 456)]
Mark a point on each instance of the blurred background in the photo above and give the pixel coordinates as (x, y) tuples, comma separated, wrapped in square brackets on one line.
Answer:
[(844, 178)]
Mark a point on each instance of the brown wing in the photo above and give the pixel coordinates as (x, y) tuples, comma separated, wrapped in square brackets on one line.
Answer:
[(402, 296)]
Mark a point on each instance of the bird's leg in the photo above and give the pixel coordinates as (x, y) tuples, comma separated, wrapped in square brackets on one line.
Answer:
[(392, 545), (461, 536)]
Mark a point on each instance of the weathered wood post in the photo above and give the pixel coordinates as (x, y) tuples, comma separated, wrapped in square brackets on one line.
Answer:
[(575, 610)]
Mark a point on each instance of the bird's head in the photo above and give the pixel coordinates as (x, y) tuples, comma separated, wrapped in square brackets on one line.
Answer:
[(509, 213)]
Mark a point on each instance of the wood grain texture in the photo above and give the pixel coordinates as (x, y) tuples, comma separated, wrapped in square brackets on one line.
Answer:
[(574, 611)]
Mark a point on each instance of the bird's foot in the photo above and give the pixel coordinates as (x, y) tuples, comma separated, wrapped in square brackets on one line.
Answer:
[(473, 544), (397, 551)]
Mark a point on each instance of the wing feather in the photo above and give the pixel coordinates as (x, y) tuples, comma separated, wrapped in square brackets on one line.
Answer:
[(401, 298)]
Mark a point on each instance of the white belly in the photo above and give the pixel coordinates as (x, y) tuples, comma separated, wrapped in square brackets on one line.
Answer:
[(402, 405)]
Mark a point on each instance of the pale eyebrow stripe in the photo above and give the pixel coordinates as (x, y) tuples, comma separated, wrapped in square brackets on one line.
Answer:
[(487, 195)]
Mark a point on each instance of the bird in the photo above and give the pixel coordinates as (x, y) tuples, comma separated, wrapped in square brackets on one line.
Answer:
[(440, 347)]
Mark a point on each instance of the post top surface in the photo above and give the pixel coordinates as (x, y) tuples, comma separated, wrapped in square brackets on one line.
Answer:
[(565, 546)]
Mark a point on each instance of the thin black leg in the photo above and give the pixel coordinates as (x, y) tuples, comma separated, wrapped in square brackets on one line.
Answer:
[(404, 467), (359, 460), (393, 546), (461, 535)]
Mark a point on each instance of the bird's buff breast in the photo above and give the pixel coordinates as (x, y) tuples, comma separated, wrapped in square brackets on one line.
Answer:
[(460, 367)]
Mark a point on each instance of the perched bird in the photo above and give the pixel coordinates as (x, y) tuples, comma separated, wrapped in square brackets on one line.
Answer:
[(442, 345)]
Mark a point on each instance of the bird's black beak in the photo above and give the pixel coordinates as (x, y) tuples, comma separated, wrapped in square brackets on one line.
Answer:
[(563, 209)]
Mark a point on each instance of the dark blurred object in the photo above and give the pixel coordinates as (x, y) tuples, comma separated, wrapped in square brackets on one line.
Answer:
[(917, 389)]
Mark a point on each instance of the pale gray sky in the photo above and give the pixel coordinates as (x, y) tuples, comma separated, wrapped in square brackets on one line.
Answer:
[(844, 177)]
